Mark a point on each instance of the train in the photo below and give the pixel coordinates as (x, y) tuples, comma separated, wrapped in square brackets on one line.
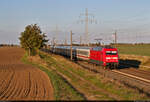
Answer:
[(105, 56)]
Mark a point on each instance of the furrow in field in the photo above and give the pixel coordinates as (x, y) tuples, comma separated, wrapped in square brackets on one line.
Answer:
[(26, 86), (18, 87), (3, 75), (6, 81), (33, 92), (8, 87), (39, 87), (19, 81), (14, 87)]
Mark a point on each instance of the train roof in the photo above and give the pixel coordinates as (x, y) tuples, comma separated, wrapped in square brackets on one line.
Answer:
[(85, 47), (101, 47), (73, 47)]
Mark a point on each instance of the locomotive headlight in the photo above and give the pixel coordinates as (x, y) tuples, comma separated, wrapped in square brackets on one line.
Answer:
[(108, 58), (115, 57), (114, 51)]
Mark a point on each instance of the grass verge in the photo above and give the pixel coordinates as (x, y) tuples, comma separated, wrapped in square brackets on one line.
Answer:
[(84, 86), (62, 89), (121, 91)]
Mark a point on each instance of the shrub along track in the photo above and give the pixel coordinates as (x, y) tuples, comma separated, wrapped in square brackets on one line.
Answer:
[(19, 81)]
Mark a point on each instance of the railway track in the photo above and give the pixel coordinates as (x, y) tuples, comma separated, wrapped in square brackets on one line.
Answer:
[(129, 76), (132, 77)]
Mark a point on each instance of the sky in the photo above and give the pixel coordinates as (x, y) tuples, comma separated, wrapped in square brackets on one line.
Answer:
[(130, 18)]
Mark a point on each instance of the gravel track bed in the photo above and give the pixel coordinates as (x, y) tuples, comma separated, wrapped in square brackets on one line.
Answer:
[(142, 86), (137, 72), (82, 81)]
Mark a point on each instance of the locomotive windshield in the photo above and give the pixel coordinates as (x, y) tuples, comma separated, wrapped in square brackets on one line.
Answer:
[(111, 52)]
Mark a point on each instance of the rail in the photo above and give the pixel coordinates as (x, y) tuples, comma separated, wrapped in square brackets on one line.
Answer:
[(133, 76)]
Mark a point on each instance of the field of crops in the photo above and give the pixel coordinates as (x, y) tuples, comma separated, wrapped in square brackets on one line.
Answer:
[(19, 81), (143, 50)]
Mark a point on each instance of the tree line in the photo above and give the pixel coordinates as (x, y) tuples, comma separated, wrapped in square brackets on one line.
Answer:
[(8, 45)]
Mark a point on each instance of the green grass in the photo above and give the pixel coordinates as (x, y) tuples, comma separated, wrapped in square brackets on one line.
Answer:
[(143, 50), (123, 92), (62, 89), (74, 80)]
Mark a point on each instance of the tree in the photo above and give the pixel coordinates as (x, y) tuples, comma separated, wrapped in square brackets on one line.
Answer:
[(32, 39)]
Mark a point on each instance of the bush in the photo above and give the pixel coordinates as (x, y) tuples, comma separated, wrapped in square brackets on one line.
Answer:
[(32, 39)]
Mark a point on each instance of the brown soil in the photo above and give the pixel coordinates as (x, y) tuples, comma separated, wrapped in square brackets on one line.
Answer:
[(19, 81)]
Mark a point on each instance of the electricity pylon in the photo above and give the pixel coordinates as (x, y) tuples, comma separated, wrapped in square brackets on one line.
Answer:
[(88, 18)]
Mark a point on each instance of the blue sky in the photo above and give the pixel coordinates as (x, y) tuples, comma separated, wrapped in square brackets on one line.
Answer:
[(131, 18)]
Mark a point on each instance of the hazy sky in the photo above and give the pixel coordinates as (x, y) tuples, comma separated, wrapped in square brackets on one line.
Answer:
[(131, 19)]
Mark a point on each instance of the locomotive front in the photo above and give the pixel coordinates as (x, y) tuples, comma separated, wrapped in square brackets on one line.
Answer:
[(110, 57)]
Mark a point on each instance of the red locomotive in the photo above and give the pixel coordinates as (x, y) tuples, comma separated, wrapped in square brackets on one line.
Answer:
[(104, 55)]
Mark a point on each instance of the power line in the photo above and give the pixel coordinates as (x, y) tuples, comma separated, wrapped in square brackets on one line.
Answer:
[(65, 41), (115, 35), (80, 40), (56, 36), (87, 20), (71, 45)]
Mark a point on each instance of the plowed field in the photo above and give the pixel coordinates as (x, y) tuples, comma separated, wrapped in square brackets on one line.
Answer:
[(19, 81)]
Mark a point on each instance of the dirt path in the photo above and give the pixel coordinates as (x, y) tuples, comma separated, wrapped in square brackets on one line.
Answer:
[(19, 81)]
